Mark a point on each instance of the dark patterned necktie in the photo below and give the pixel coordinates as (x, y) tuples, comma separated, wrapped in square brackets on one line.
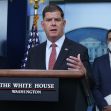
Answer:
[(52, 58)]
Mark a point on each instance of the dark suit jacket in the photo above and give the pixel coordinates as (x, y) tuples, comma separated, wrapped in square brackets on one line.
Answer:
[(71, 93), (102, 78), (3, 62)]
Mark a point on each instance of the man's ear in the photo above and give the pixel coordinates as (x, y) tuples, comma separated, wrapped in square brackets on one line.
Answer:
[(42, 24), (64, 22)]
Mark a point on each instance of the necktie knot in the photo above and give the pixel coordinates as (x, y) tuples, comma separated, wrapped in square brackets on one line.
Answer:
[(53, 45)]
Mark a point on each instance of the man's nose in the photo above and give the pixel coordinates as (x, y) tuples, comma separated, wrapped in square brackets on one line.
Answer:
[(53, 22)]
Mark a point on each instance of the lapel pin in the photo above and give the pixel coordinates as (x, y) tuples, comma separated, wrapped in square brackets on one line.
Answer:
[(66, 49)]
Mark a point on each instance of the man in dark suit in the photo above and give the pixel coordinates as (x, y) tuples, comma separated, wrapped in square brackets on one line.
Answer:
[(69, 56), (102, 78)]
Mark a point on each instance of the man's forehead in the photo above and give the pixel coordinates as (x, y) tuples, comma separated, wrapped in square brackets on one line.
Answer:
[(53, 14)]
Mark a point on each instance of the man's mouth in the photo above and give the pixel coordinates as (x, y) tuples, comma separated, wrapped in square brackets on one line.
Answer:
[(53, 30)]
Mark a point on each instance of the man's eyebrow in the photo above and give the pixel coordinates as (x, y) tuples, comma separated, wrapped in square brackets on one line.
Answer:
[(54, 18)]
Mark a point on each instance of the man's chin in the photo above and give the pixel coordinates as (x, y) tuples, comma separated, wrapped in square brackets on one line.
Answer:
[(54, 38)]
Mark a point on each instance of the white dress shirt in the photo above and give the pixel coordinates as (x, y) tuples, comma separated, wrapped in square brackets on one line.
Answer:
[(110, 59), (59, 44)]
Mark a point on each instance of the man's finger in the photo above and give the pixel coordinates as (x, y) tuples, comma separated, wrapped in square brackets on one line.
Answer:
[(78, 56)]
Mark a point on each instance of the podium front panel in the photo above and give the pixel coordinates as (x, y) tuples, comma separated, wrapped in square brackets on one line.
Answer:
[(29, 89)]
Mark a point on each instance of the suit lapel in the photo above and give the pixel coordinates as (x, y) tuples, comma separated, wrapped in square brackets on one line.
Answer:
[(62, 55), (107, 63)]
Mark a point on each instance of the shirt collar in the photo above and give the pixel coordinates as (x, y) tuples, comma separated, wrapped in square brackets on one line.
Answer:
[(59, 42)]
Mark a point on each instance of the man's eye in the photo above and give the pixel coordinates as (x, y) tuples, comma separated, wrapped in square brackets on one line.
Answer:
[(58, 20), (48, 20)]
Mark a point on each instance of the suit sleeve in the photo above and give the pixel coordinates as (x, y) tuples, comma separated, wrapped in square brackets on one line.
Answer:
[(87, 81), (85, 60)]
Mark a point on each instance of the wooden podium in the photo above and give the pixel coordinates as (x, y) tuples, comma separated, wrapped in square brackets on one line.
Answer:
[(39, 73), (68, 87)]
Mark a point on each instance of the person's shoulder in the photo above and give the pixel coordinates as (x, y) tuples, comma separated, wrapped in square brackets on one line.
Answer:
[(101, 58), (75, 44), (38, 47)]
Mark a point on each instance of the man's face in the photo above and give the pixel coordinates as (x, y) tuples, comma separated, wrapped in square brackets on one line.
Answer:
[(53, 25), (109, 37)]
